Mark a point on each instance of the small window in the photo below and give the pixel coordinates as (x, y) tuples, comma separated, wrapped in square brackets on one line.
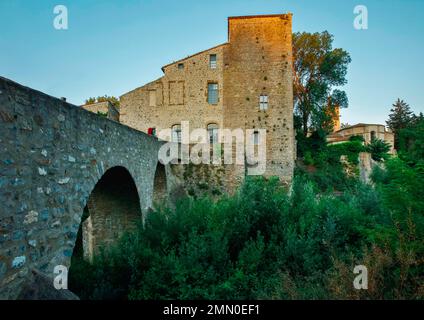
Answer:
[(213, 133), (263, 102), (212, 61), (373, 135), (212, 93), (176, 133), (180, 66)]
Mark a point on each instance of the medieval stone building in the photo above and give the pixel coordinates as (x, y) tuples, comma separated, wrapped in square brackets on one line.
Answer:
[(244, 83), (368, 131)]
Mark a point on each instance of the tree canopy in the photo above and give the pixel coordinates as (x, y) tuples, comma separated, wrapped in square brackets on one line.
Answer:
[(318, 70), (401, 117)]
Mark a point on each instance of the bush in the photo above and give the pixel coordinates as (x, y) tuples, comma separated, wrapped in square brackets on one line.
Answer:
[(379, 149), (266, 243), (357, 138)]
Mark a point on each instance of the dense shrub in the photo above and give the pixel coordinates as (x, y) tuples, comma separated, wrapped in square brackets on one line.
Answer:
[(411, 142), (267, 243), (379, 149), (330, 173)]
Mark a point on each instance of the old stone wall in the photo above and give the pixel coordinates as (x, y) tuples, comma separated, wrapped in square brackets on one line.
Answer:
[(181, 94), (201, 180), (367, 131), (52, 156), (258, 62), (105, 108)]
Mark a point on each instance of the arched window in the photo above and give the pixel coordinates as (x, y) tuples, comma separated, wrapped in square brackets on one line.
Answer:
[(373, 136), (176, 133), (213, 133)]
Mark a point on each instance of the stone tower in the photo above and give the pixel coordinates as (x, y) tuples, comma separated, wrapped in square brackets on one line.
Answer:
[(245, 83), (258, 68), (336, 119)]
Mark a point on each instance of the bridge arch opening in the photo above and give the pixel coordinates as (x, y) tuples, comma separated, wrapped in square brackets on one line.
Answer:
[(160, 193), (113, 208)]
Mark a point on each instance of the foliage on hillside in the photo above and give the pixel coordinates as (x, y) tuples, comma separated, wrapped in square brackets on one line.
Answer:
[(411, 141), (327, 170), (267, 243), (379, 149)]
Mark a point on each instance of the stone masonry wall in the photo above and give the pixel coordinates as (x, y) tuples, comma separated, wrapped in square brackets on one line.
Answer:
[(181, 94), (52, 155), (104, 107), (258, 61)]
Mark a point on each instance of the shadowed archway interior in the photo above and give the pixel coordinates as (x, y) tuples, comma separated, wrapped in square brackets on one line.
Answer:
[(112, 209), (159, 185)]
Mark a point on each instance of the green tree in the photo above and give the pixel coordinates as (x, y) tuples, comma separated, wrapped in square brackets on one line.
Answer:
[(399, 118), (379, 149), (411, 141), (318, 68)]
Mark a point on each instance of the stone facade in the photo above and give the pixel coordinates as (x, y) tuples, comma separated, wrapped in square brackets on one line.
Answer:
[(181, 94), (254, 66), (104, 108), (55, 159)]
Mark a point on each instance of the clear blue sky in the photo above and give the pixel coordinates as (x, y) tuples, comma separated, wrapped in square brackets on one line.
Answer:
[(113, 46)]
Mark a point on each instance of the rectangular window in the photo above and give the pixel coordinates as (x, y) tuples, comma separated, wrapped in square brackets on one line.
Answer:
[(212, 61), (263, 102), (212, 93), (181, 66), (213, 133), (152, 98)]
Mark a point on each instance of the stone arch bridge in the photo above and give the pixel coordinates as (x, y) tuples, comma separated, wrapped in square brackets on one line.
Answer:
[(57, 160)]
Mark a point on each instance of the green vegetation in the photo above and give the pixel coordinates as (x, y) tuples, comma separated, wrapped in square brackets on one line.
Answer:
[(411, 141), (266, 243), (322, 163), (318, 70), (102, 114), (399, 118), (379, 149)]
